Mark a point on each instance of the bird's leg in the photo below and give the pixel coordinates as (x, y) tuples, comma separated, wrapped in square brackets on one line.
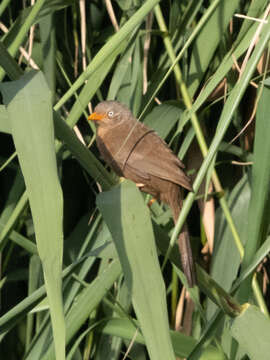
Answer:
[(151, 202), (140, 185)]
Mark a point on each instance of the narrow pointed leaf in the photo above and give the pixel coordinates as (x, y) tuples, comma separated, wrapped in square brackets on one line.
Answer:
[(29, 107)]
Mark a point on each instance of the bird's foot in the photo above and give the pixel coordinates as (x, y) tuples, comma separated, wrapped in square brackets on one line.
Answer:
[(151, 202)]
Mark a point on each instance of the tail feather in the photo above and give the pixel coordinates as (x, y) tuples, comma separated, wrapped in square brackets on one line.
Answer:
[(187, 257), (187, 262)]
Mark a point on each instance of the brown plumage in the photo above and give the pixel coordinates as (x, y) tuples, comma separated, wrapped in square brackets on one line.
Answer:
[(137, 153)]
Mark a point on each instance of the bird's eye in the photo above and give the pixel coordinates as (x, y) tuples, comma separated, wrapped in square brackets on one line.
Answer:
[(110, 114)]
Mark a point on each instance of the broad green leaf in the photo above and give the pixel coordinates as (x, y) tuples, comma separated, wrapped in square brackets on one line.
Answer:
[(119, 75), (222, 272), (259, 207), (47, 27), (130, 91), (163, 118), (251, 329), (4, 124), (182, 344), (29, 107), (256, 260), (8, 65), (129, 222)]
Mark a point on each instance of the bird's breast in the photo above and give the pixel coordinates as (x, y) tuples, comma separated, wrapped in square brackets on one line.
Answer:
[(117, 144)]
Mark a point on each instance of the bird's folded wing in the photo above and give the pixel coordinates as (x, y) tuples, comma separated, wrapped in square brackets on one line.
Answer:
[(152, 156)]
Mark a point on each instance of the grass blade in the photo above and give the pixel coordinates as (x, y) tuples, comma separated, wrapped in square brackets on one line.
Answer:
[(259, 208), (28, 102)]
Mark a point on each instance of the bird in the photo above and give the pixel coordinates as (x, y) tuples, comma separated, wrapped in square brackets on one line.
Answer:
[(137, 153)]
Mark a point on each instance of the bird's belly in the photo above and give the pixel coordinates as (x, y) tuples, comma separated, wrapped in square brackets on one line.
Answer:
[(150, 184)]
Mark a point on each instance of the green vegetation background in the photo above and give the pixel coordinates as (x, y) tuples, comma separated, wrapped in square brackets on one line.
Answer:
[(87, 274)]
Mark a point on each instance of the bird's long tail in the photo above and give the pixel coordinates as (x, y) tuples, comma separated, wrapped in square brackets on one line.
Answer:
[(184, 244), (186, 256)]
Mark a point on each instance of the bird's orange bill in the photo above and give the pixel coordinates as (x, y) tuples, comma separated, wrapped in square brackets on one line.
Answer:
[(96, 116)]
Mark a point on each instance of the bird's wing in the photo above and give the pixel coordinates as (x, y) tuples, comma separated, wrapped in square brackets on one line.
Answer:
[(152, 156)]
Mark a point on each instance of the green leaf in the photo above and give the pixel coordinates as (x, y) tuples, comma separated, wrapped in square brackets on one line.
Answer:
[(163, 118), (29, 107), (182, 344), (4, 124), (259, 208), (47, 33), (129, 222), (119, 75), (251, 329), (225, 247)]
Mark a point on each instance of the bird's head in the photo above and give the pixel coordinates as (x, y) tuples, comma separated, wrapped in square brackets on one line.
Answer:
[(110, 113)]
